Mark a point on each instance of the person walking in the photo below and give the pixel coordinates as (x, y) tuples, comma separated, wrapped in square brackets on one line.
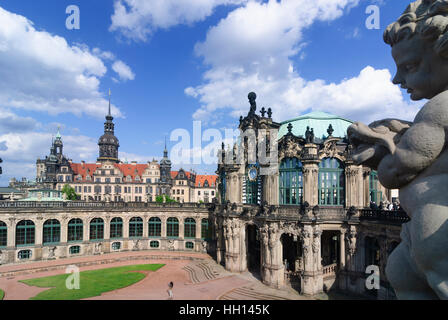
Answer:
[(170, 291)]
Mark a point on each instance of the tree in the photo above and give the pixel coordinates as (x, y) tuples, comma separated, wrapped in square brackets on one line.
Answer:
[(159, 199), (69, 192)]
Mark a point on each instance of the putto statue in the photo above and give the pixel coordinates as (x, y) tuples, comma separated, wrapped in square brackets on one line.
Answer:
[(413, 156)]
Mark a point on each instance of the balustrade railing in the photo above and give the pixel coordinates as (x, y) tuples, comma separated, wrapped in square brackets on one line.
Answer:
[(330, 270), (398, 216), (109, 205)]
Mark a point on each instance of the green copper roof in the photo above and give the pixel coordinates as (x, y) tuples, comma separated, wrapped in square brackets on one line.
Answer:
[(58, 135), (319, 121)]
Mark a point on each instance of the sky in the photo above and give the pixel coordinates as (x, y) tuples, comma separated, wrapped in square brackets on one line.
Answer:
[(176, 65)]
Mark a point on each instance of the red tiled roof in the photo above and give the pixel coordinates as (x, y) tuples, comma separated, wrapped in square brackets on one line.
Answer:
[(200, 178), (131, 169), (80, 169), (175, 173)]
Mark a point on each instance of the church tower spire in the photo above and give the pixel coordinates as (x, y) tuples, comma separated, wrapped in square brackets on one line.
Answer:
[(108, 143)]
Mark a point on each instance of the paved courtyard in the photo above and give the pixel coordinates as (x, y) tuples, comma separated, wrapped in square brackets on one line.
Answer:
[(195, 276)]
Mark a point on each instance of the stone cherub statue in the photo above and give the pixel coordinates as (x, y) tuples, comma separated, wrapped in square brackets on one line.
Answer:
[(413, 156)]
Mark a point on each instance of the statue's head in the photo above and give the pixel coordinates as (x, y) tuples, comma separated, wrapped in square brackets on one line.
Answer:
[(419, 41)]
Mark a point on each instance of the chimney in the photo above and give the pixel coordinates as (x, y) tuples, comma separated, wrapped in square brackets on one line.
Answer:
[(134, 163), (83, 163)]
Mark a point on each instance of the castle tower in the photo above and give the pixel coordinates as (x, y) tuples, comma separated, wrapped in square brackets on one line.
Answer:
[(108, 143)]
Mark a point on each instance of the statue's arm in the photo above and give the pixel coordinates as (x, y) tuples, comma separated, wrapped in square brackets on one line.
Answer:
[(417, 149)]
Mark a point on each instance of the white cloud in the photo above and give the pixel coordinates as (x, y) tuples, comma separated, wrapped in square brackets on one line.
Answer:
[(42, 72), (123, 70), (21, 150), (252, 50), (138, 19)]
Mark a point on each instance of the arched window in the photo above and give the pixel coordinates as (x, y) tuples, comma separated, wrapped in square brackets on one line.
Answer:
[(136, 227), (252, 185), (190, 228), (75, 230), (25, 232), (75, 250), (116, 228), (291, 181), (3, 234), (52, 232), (374, 187), (97, 229), (331, 182), (155, 227), (205, 231), (189, 245), (172, 228)]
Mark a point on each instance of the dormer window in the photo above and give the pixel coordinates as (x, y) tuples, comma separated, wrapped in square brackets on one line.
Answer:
[(88, 178), (128, 178)]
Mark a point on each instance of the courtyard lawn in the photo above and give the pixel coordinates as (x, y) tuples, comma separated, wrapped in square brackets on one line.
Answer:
[(2, 294), (92, 283)]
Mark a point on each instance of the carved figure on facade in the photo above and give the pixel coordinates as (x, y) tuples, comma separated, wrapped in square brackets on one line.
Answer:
[(136, 244), (51, 251), (98, 248), (329, 150)]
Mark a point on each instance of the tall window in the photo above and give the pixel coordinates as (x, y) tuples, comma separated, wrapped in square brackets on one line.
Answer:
[(97, 229), (252, 185), (222, 187), (75, 230), (25, 232), (116, 228), (190, 228), (331, 182), (374, 187), (205, 231), (52, 232), (291, 181), (155, 227), (3, 234), (172, 228), (136, 227)]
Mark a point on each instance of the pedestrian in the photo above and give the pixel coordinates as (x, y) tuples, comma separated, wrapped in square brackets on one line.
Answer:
[(170, 291)]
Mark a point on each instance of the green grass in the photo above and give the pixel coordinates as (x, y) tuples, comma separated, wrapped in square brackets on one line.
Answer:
[(2, 294), (92, 283)]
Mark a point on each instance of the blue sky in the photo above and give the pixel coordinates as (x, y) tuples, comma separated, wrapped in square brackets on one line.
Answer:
[(182, 61)]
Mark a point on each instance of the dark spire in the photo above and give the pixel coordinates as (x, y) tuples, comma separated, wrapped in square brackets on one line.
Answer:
[(165, 151)]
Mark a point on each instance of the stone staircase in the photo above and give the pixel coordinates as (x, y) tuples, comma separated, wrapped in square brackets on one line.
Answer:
[(201, 271), (249, 293)]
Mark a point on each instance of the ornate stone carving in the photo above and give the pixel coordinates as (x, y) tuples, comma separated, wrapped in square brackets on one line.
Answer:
[(329, 149)]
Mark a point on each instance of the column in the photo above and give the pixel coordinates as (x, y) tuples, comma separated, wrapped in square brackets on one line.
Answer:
[(11, 233), (310, 183), (342, 250), (38, 231), (126, 228), (145, 227), (198, 228), (106, 220), (86, 229), (163, 221), (64, 226), (312, 278), (181, 228)]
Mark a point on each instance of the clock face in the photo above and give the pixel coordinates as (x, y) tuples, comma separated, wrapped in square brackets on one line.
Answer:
[(253, 174)]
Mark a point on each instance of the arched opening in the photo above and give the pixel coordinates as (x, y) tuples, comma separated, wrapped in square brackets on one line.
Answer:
[(331, 182), (372, 257), (253, 248), (291, 181), (330, 248), (292, 258)]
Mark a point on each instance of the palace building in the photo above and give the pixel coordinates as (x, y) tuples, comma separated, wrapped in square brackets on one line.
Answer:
[(111, 180), (303, 220)]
